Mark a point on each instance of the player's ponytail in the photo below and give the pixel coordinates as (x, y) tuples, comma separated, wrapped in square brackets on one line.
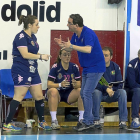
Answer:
[(58, 60), (30, 19), (21, 19)]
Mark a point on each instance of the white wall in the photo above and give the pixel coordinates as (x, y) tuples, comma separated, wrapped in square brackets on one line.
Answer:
[(121, 15), (97, 14)]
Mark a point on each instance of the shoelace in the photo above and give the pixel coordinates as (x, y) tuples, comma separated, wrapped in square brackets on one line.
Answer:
[(136, 120), (80, 122), (96, 122), (123, 123), (44, 123), (13, 124), (55, 121)]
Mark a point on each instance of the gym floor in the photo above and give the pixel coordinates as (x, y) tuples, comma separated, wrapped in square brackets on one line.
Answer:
[(107, 133)]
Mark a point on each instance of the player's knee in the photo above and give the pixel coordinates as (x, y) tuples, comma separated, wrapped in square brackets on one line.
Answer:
[(39, 97), (19, 97), (53, 92)]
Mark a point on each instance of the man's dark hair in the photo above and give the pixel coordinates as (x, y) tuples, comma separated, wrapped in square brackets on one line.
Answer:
[(108, 49), (77, 19), (139, 52)]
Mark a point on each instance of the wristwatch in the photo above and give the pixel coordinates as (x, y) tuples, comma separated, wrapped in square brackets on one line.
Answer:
[(71, 46)]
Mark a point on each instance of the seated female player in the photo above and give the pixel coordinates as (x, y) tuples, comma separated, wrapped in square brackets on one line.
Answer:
[(63, 85)]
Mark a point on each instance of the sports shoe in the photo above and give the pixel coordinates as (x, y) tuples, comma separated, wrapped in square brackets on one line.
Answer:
[(55, 125), (82, 126), (122, 125), (10, 127), (135, 123), (44, 125), (97, 125), (78, 124)]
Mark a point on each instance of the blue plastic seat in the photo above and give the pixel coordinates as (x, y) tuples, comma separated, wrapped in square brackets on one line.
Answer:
[(7, 87), (7, 84)]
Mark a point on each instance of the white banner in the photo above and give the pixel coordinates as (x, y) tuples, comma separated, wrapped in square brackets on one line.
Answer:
[(135, 29)]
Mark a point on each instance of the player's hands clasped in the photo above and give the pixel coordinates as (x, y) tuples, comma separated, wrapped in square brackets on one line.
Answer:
[(74, 82), (65, 83)]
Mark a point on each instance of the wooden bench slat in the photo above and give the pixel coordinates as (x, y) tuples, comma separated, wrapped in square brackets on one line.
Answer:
[(63, 104), (31, 103)]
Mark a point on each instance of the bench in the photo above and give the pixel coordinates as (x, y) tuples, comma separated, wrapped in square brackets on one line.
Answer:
[(61, 118)]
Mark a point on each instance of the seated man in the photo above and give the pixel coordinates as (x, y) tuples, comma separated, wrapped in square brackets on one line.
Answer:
[(63, 85), (132, 86), (110, 93)]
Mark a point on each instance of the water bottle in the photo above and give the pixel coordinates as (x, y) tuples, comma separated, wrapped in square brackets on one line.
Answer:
[(102, 113)]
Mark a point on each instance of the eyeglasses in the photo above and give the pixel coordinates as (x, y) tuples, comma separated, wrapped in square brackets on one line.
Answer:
[(64, 54), (70, 23), (106, 55)]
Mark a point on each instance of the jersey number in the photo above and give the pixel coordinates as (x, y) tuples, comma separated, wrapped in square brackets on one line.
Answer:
[(67, 76)]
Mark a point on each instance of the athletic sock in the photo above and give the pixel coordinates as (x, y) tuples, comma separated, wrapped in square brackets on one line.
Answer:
[(53, 115), (12, 108), (39, 105)]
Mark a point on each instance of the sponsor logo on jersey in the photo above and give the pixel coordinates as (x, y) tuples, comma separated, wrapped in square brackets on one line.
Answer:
[(31, 62), (20, 78), (32, 42), (21, 36), (59, 70), (113, 72), (72, 75), (59, 76), (32, 69), (29, 79)]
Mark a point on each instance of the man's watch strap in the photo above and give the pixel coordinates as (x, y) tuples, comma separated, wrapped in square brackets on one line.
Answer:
[(71, 46)]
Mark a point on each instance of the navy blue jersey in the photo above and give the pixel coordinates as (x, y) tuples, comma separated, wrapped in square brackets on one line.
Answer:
[(133, 74), (112, 74), (94, 61), (24, 40), (58, 74)]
